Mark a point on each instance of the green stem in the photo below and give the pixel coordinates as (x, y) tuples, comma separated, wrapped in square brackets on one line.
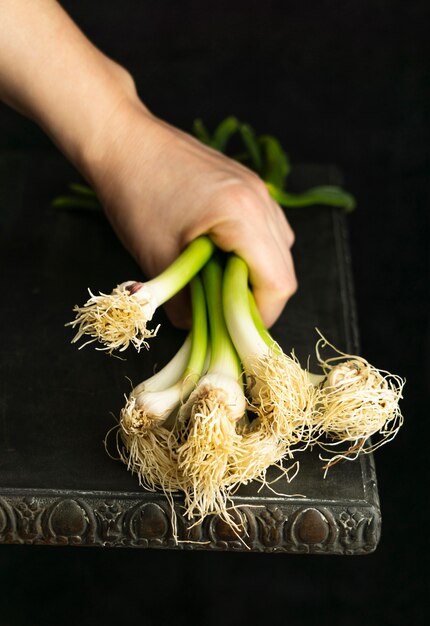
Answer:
[(327, 195), (259, 324), (224, 358), (76, 202), (182, 270), (83, 190), (199, 336), (170, 373), (167, 399), (315, 379), (243, 332)]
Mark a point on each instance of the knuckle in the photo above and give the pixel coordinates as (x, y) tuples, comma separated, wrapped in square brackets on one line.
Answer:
[(259, 187), (291, 236), (240, 196), (284, 284), (294, 285), (243, 193)]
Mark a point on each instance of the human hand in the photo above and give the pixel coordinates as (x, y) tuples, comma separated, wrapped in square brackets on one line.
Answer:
[(161, 188)]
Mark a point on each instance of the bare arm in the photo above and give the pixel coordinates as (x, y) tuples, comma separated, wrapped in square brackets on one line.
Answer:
[(159, 186)]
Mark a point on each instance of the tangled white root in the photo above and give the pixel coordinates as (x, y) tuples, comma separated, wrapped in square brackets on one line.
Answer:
[(134, 419), (257, 450), (149, 449), (208, 443), (282, 397), (355, 402), (116, 320)]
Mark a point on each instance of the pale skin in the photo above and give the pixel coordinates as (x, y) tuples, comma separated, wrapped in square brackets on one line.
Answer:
[(160, 187)]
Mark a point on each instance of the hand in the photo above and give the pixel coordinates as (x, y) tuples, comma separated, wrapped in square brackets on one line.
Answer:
[(161, 188)]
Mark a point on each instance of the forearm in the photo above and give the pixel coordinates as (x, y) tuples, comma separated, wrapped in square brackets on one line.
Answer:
[(160, 187), (50, 72)]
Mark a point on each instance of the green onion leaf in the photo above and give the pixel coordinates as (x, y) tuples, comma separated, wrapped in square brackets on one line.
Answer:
[(223, 132), (201, 132), (223, 355), (76, 202), (252, 145), (83, 190), (328, 195), (276, 162)]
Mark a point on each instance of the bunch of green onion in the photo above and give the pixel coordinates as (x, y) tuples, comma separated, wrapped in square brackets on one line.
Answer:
[(230, 403)]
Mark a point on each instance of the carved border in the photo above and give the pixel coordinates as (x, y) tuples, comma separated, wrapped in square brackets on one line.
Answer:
[(293, 526)]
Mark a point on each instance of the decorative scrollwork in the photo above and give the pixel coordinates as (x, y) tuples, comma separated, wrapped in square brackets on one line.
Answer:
[(284, 526)]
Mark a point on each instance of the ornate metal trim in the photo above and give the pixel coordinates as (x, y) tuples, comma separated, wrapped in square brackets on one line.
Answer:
[(146, 521)]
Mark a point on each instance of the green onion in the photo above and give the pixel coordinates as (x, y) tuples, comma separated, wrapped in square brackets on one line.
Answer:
[(170, 373), (146, 426), (223, 133), (276, 163), (83, 198), (281, 394), (210, 415), (329, 195), (82, 190), (354, 401), (76, 202), (252, 145), (120, 318), (201, 131)]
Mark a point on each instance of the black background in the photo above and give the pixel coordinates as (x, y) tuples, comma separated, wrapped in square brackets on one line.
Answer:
[(343, 82)]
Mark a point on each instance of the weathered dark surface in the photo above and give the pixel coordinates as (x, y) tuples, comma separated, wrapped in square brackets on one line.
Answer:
[(57, 484)]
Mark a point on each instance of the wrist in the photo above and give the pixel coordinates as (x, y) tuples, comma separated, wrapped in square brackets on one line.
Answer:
[(98, 117), (102, 154)]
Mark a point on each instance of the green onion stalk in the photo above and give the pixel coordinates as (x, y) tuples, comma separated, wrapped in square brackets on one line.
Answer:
[(209, 434), (147, 422), (170, 373), (120, 319), (280, 392), (353, 402)]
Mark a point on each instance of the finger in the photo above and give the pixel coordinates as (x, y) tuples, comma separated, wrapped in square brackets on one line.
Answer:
[(272, 295), (270, 265), (268, 300), (259, 233)]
